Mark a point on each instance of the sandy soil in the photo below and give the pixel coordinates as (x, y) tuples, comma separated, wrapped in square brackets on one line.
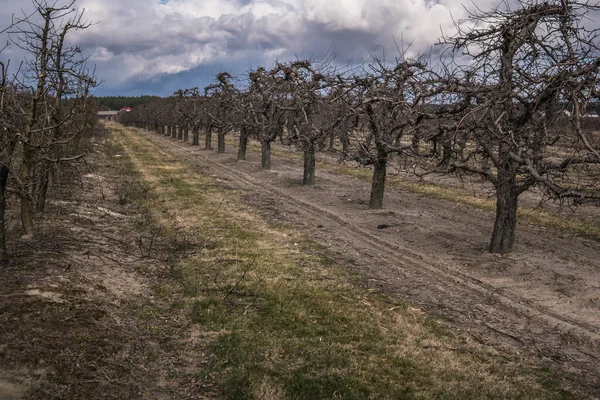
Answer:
[(541, 302)]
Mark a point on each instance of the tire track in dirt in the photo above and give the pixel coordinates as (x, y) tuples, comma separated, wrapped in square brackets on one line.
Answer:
[(504, 318)]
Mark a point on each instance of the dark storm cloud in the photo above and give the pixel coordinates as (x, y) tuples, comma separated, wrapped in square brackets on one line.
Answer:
[(161, 46)]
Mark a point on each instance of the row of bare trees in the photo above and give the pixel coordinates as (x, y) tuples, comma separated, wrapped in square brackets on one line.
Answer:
[(44, 108), (504, 102)]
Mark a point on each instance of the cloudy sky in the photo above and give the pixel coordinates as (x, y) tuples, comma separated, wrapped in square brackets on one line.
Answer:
[(159, 46)]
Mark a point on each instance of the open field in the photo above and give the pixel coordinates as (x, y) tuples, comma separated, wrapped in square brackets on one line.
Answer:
[(180, 273), (537, 299)]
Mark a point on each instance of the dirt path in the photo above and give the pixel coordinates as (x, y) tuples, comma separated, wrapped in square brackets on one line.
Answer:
[(542, 302)]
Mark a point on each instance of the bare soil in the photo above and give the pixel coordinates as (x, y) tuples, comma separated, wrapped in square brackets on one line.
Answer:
[(80, 316), (541, 303)]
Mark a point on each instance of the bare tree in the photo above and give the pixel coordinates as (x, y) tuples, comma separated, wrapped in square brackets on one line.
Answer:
[(8, 142), (52, 72), (388, 105), (529, 69), (267, 117), (245, 123), (305, 107), (44, 109), (222, 103)]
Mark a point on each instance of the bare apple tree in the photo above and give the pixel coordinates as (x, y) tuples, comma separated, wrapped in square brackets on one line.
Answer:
[(388, 104), (221, 98), (44, 107), (305, 106), (53, 72), (8, 143), (266, 117), (530, 68)]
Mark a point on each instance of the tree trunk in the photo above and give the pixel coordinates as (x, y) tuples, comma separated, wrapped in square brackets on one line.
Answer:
[(331, 148), (186, 134), (309, 166), (174, 131), (26, 179), (345, 142), (378, 184), (195, 136), (507, 198), (42, 187), (180, 133), (415, 142), (208, 140), (221, 142), (265, 149), (446, 156), (243, 145), (3, 183)]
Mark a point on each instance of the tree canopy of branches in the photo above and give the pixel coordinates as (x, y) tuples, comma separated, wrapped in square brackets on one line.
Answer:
[(304, 107)]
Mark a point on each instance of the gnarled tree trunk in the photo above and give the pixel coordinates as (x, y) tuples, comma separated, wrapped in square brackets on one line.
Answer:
[(43, 177), (221, 141), (208, 139), (243, 144), (309, 166), (195, 136), (507, 196), (265, 150), (26, 177), (378, 183)]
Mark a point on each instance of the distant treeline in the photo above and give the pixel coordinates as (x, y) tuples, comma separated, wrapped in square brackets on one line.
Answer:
[(118, 102)]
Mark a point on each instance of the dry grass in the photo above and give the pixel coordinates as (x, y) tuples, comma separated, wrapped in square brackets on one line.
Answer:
[(287, 322)]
